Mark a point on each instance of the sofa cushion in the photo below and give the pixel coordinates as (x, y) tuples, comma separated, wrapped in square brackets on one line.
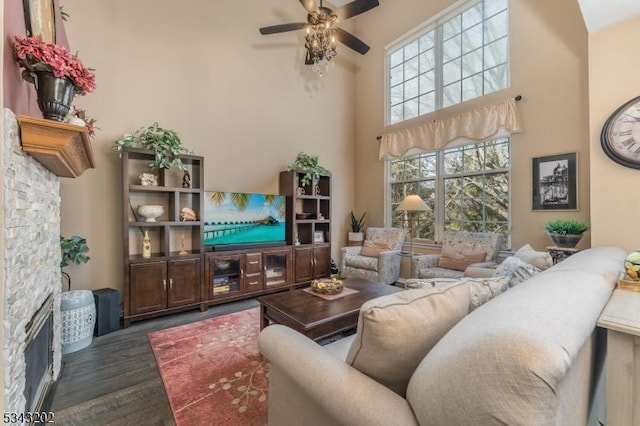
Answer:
[(395, 332), (540, 259), (450, 259), (373, 248), (436, 272)]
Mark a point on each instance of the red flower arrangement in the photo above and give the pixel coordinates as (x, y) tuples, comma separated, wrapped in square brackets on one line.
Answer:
[(34, 55)]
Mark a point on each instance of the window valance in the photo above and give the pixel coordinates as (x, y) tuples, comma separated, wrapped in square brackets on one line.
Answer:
[(474, 126)]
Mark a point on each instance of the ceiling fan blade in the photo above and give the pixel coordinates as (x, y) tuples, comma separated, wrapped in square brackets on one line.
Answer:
[(283, 28), (350, 41), (354, 8), (309, 5)]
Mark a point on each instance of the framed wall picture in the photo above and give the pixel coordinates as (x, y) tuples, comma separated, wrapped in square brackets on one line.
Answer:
[(318, 237), (555, 182), (39, 19)]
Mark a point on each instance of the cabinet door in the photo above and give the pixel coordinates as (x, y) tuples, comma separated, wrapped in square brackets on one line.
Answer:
[(225, 275), (184, 282), (304, 264), (321, 261), (148, 287), (277, 268)]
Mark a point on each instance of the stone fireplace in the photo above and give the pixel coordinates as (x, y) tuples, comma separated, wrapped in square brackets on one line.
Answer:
[(31, 235)]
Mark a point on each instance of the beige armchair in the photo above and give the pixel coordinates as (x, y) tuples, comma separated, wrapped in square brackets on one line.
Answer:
[(378, 259), (459, 251)]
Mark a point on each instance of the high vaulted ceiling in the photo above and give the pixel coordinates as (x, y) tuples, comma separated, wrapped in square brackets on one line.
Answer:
[(600, 14)]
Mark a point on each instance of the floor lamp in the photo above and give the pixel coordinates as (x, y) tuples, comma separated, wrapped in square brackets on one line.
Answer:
[(412, 204)]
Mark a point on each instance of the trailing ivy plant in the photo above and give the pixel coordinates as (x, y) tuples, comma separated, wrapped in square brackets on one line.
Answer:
[(566, 227), (74, 251), (165, 144), (309, 164)]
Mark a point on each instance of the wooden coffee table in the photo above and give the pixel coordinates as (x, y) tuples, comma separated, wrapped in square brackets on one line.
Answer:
[(316, 317)]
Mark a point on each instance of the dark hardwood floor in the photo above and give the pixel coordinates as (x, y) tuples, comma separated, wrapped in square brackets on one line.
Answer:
[(115, 381)]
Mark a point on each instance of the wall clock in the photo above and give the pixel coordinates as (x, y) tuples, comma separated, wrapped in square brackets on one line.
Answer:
[(620, 137)]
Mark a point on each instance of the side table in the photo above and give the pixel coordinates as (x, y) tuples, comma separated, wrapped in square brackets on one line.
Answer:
[(621, 319), (560, 253)]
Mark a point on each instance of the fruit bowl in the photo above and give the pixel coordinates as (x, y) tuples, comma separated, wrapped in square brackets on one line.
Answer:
[(327, 286), (150, 212), (632, 265)]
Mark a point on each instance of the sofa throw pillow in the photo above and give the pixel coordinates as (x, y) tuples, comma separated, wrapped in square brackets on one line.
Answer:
[(523, 273), (540, 259), (395, 332), (516, 269), (449, 259), (481, 290), (373, 248)]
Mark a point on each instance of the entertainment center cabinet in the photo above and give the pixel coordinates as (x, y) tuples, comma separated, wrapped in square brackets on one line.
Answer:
[(240, 273), (166, 281), (308, 225), (182, 274)]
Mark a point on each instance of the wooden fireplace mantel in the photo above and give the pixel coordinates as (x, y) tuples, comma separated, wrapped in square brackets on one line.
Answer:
[(63, 148)]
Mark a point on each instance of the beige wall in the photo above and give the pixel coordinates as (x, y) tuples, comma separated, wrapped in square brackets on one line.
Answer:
[(548, 68), (613, 80), (243, 101), (246, 103)]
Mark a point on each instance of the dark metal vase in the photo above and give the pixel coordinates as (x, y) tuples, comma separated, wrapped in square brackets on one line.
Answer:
[(55, 95), (564, 241)]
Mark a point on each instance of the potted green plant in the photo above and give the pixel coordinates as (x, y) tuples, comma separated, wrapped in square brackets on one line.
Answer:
[(356, 235), (565, 233), (309, 164), (74, 251), (165, 144)]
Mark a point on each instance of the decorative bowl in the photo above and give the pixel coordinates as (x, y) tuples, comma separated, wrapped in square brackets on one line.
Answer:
[(632, 265), (327, 286), (301, 216), (150, 212)]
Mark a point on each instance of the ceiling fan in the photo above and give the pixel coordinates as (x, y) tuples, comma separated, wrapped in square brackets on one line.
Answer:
[(322, 35)]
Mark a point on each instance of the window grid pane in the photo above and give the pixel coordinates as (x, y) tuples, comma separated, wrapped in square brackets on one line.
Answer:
[(475, 189), (468, 53)]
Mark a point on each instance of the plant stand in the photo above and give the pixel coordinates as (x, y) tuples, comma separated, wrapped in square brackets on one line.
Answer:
[(560, 253)]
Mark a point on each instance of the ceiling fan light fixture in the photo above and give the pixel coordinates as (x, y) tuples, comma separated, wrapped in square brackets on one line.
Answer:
[(322, 34)]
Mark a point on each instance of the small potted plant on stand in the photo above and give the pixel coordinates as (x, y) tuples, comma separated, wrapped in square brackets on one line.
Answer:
[(356, 235), (565, 233), (78, 310)]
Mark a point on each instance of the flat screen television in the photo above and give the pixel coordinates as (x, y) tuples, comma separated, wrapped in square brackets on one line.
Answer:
[(234, 220)]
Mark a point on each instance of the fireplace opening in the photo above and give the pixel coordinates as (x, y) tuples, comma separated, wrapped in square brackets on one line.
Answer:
[(39, 356)]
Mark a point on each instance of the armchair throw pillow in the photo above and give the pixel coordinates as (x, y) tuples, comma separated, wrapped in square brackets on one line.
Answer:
[(395, 332), (540, 259), (450, 259), (373, 248)]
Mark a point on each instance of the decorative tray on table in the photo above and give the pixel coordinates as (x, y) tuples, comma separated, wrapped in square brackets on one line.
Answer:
[(332, 285)]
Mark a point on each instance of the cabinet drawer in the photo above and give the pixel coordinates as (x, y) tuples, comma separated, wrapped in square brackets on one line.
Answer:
[(253, 283), (253, 264)]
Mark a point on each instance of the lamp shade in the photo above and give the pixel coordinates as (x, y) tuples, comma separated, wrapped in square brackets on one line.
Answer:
[(412, 203)]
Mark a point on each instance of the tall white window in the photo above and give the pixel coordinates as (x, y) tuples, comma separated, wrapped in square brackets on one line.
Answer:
[(458, 56), (466, 187)]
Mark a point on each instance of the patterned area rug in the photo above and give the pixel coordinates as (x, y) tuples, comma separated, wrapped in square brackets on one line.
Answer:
[(212, 370)]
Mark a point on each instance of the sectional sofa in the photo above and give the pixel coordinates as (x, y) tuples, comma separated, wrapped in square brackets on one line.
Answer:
[(530, 356)]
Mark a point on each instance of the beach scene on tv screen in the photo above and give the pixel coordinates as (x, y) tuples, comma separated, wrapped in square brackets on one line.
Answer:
[(240, 218)]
